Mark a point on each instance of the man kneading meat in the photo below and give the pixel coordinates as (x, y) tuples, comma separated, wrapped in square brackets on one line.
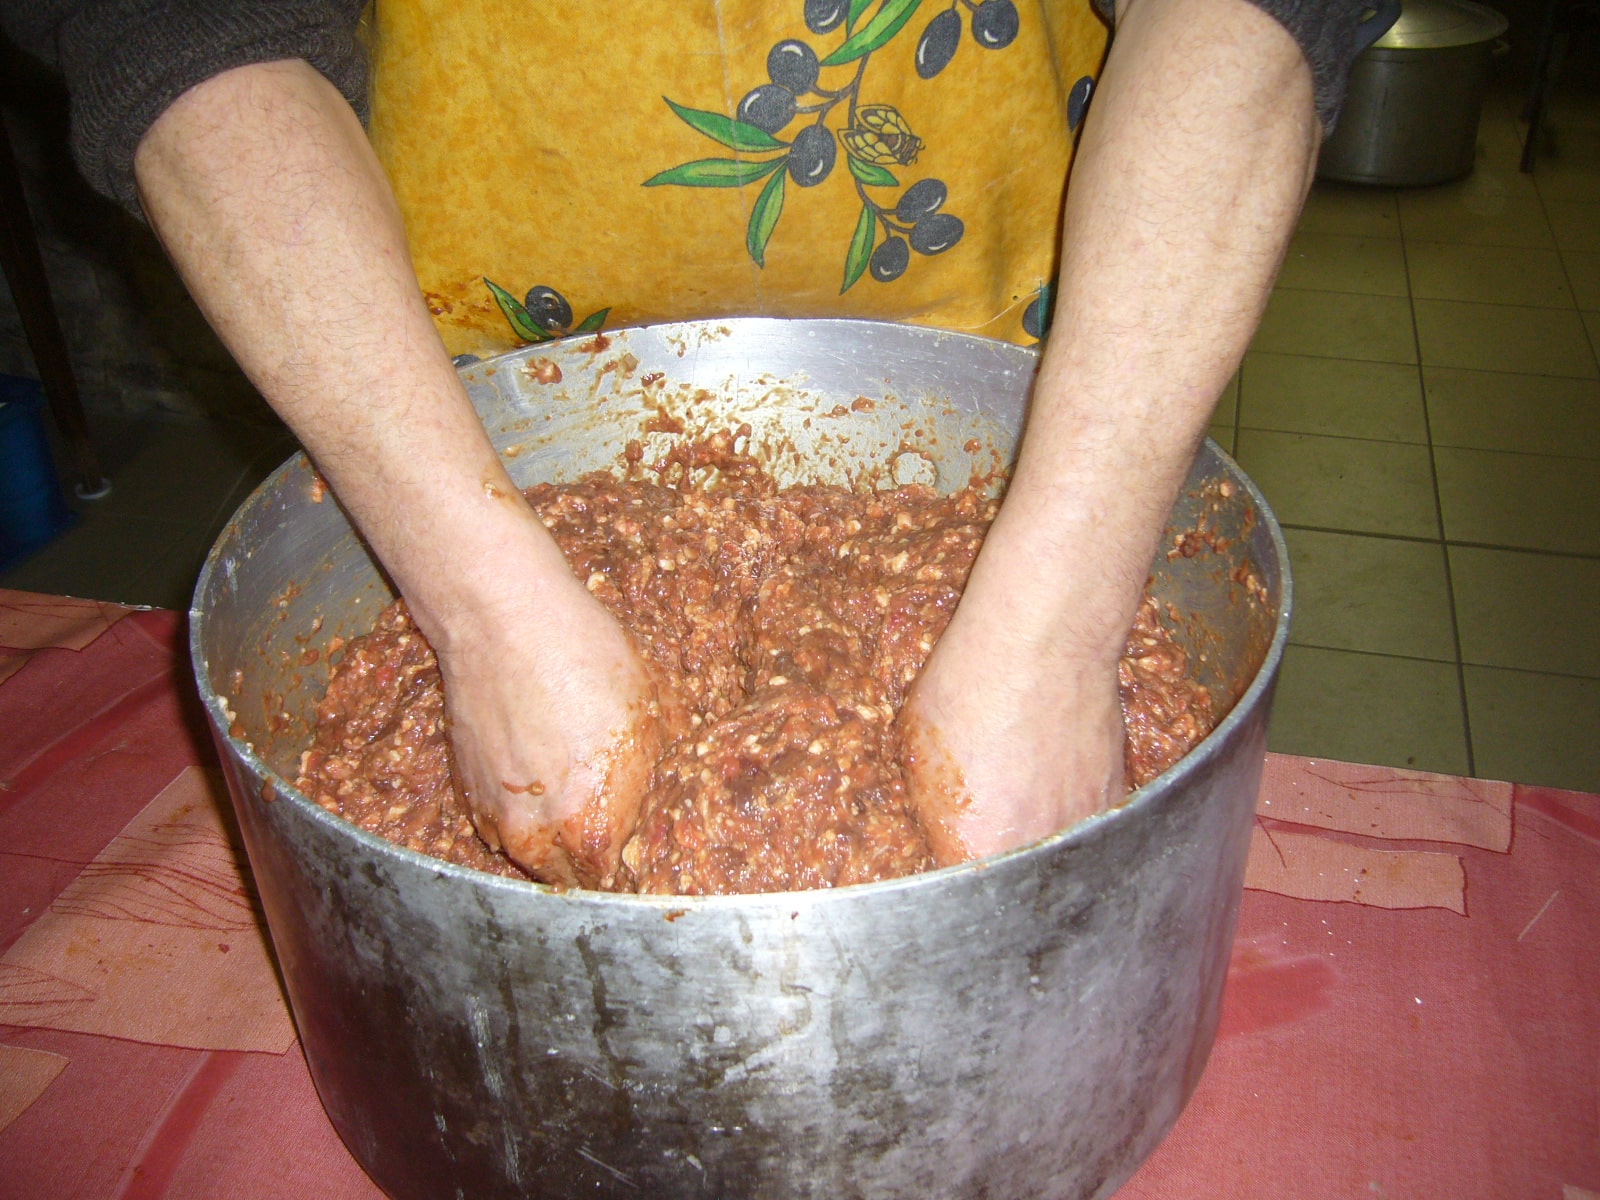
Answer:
[(536, 171)]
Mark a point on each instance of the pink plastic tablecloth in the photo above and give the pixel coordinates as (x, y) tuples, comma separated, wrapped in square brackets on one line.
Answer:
[(1413, 1008)]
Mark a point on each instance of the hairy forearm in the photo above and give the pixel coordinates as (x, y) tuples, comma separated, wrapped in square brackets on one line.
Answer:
[(262, 186), (1192, 169)]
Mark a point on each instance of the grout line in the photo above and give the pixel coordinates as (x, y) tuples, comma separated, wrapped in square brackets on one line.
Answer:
[(1347, 437), (1477, 666), (1497, 547), (1388, 537), (1502, 548), (1438, 506), (1561, 257), (1383, 362), (1565, 458), (1538, 308), (1445, 662), (1238, 407), (1416, 658)]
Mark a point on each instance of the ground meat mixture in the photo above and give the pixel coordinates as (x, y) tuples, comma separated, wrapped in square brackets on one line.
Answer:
[(790, 621)]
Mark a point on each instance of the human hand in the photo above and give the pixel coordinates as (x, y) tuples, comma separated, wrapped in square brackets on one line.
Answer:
[(1004, 747), (555, 723)]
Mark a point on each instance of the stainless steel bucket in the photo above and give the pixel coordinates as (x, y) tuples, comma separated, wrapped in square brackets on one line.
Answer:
[(1411, 112), (1026, 1026)]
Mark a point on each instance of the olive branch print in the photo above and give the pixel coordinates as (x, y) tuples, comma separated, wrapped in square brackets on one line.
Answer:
[(544, 314), (875, 137), (1036, 316)]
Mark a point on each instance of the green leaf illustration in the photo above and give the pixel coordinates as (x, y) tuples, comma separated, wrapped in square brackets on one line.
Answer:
[(717, 172), (764, 218), (857, 7), (860, 249), (736, 135), (870, 173), (593, 321), (885, 23), (522, 322)]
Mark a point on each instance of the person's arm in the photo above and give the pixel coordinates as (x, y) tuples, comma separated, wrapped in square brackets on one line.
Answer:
[(262, 186), (1193, 164)]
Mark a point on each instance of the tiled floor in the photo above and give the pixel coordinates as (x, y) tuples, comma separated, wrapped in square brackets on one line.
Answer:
[(175, 481), (1421, 407)]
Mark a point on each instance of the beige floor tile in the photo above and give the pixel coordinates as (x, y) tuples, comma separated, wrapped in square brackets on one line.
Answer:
[(1499, 149), (1337, 325), (1570, 181), (170, 580), (1485, 209), (1530, 414), (175, 481), (1504, 337), (1332, 262), (1379, 595), (1225, 417), (1565, 109), (1340, 397), (1576, 224), (1224, 436), (1342, 483), (1533, 612), (1519, 501), (1503, 99), (1227, 410), (182, 468), (1487, 274), (1583, 273), (1370, 708), (1536, 729), (1568, 162), (106, 556), (1351, 211)]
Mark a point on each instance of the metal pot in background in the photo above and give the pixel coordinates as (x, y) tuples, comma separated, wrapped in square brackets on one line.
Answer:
[(1411, 113), (1027, 1027)]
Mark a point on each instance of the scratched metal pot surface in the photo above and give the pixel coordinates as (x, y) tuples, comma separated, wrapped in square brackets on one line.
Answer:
[(1026, 1026)]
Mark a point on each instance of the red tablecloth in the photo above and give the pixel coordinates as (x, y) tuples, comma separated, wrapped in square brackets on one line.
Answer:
[(1413, 1008)]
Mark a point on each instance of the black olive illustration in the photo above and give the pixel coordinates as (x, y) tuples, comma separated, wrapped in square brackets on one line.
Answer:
[(889, 261), (938, 44), (812, 155), (793, 65), (921, 198), (769, 108), (936, 233), (1036, 317), (548, 308), (995, 24), (465, 360), (1078, 101), (823, 15)]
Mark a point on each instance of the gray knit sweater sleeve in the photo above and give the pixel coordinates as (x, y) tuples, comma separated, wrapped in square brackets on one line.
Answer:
[(1329, 33), (125, 61)]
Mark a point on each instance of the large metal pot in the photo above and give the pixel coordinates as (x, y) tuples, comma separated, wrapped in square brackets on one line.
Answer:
[(1026, 1026), (1411, 113)]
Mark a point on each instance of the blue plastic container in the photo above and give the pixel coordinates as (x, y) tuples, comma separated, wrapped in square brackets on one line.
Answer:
[(32, 508)]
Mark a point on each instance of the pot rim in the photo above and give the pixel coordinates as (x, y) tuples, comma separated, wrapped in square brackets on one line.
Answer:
[(1086, 830)]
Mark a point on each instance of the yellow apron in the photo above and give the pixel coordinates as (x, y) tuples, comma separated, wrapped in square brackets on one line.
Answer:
[(563, 167)]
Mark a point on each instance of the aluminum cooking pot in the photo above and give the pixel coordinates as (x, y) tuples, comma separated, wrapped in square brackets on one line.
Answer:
[(1414, 99), (1025, 1026)]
